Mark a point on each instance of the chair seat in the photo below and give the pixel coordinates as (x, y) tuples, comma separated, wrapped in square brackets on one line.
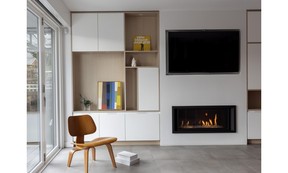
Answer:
[(97, 142)]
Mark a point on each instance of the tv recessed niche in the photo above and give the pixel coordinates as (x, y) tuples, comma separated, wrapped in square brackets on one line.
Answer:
[(202, 51)]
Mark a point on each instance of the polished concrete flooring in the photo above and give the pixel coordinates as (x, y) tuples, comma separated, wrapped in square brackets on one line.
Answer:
[(167, 159)]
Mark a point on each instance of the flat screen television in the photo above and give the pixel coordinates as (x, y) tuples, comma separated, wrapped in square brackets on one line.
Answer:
[(202, 51)]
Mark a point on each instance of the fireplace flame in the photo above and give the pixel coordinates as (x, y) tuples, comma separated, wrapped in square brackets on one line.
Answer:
[(209, 123), (204, 123)]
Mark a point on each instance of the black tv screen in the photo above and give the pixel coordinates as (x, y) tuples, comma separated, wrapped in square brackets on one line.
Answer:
[(202, 51)]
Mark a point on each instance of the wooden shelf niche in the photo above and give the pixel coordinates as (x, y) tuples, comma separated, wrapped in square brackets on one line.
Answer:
[(143, 59), (141, 23), (131, 89), (254, 100), (91, 67)]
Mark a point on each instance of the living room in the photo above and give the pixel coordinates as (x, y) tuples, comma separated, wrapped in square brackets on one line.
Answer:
[(191, 90)]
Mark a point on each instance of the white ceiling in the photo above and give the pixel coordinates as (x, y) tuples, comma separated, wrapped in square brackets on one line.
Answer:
[(147, 5)]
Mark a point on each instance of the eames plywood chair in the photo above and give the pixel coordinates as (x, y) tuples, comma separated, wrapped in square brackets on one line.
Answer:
[(82, 125)]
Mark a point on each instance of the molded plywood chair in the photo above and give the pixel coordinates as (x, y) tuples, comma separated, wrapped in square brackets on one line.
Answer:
[(80, 126)]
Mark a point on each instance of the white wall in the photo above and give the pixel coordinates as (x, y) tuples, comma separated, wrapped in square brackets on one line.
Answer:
[(190, 90)]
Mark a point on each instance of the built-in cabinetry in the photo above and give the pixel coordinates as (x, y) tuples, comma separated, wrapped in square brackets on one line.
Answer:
[(112, 124), (84, 38), (254, 73), (97, 32), (142, 126), (102, 50), (126, 126), (148, 88)]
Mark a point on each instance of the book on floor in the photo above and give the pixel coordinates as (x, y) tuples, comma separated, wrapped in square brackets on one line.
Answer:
[(126, 162), (127, 158), (127, 155)]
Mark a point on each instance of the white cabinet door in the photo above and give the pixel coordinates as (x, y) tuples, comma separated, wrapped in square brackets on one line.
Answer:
[(84, 32), (254, 66), (95, 117), (142, 126), (254, 26), (112, 125), (111, 31), (148, 88), (254, 124)]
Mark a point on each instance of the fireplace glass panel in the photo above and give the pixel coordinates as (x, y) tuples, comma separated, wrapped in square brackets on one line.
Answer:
[(203, 119)]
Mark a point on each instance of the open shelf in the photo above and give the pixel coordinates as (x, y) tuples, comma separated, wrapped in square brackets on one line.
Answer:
[(131, 89), (138, 51), (91, 67), (144, 23), (143, 59), (254, 100)]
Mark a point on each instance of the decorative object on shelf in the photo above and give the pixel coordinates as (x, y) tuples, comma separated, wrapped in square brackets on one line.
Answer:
[(133, 62), (141, 43), (86, 103), (127, 158), (110, 95)]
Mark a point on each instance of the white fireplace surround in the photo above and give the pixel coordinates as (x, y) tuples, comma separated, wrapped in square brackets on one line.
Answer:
[(186, 90)]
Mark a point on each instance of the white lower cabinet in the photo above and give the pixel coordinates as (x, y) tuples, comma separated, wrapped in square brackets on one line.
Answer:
[(95, 117), (254, 124), (142, 126), (112, 125), (138, 126)]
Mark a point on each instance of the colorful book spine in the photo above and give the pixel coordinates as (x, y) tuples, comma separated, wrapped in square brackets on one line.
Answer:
[(100, 92), (104, 100), (108, 95), (119, 96), (115, 98), (112, 95)]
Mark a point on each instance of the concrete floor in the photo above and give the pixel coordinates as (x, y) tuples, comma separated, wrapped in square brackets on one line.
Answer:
[(162, 159)]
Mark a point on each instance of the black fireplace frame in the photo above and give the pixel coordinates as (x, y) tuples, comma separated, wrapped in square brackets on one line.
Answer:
[(229, 129)]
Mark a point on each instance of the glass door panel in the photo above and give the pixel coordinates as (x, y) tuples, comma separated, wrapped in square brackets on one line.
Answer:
[(42, 97), (33, 95), (50, 94)]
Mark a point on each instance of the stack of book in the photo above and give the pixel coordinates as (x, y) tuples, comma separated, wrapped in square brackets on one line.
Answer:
[(127, 158)]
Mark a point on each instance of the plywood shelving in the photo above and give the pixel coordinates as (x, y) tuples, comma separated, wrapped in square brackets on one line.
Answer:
[(92, 66)]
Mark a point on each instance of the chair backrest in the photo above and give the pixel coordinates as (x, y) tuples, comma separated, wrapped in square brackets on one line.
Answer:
[(81, 125)]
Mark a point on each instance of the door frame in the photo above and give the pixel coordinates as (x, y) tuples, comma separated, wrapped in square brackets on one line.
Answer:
[(44, 17)]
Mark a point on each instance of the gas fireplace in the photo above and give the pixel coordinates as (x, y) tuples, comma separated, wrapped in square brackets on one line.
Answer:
[(204, 119)]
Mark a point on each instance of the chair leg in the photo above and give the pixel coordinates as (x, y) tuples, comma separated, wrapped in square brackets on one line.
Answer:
[(70, 156), (109, 147), (93, 153), (86, 160)]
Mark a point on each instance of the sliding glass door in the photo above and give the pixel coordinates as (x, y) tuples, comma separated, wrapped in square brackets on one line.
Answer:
[(33, 92), (50, 94), (42, 89)]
